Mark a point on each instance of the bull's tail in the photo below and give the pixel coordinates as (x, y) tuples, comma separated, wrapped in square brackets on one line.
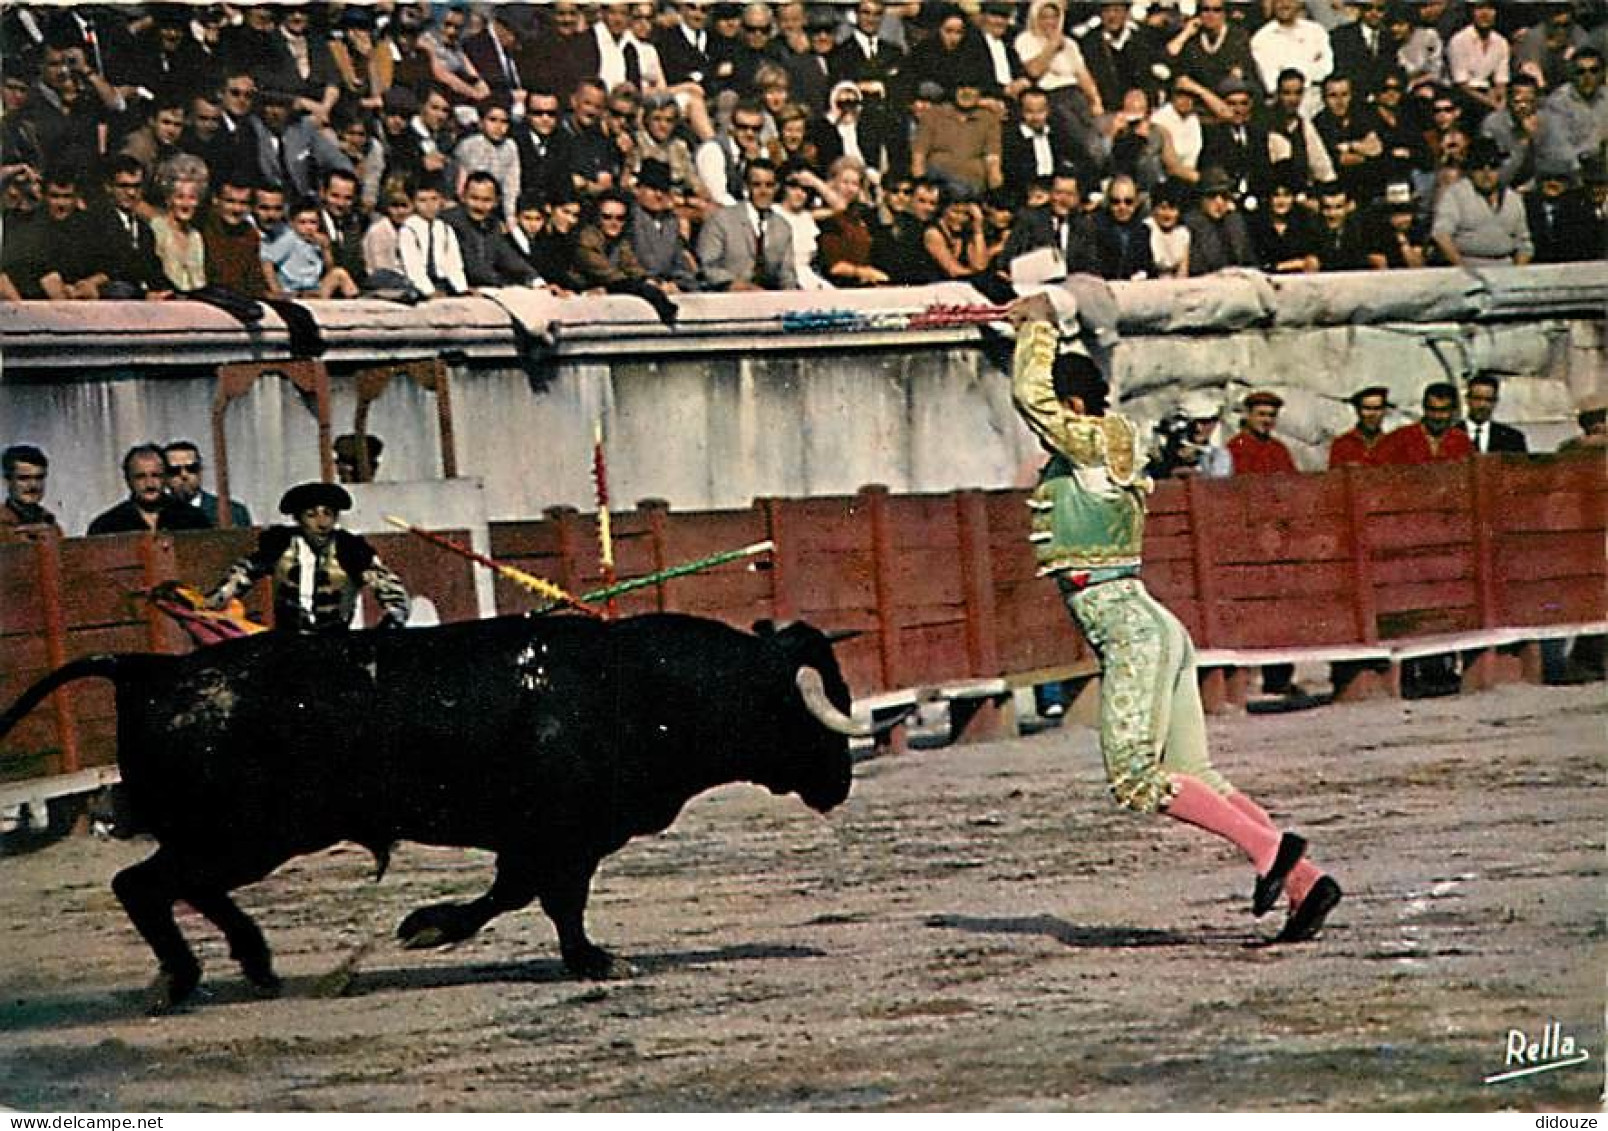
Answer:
[(116, 667)]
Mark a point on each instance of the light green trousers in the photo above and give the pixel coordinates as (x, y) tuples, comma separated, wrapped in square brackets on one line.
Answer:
[(1151, 722)]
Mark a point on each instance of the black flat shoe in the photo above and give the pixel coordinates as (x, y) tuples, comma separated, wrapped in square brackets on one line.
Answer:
[(1307, 920), (1271, 886)]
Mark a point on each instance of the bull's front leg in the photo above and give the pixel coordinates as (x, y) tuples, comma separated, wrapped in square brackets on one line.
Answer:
[(442, 924), (246, 944), (564, 900)]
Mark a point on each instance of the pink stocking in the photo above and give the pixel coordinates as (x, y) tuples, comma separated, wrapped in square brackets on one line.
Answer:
[(1300, 881), (1251, 809), (1196, 803), (1304, 875)]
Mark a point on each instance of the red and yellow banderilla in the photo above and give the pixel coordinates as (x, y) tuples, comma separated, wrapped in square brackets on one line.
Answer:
[(585, 603), (537, 585)]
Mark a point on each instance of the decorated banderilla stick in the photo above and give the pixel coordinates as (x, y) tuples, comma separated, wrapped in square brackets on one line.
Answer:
[(537, 585), (696, 566), (605, 529)]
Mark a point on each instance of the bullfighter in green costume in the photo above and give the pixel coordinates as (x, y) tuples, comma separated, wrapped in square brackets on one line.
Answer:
[(1088, 533)]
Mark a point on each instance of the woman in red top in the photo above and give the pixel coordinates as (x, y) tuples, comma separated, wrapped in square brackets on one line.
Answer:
[(844, 246)]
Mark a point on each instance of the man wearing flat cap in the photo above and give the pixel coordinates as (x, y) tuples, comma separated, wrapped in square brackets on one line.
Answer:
[(1562, 225), (1256, 452), (1358, 445), (655, 230), (318, 568), (1478, 223), (1254, 449), (1218, 237)]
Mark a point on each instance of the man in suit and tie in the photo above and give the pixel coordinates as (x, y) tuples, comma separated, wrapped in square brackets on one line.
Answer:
[(1005, 65), (747, 246), (809, 75), (119, 248), (1060, 224), (537, 138), (492, 52), (1364, 49), (865, 57), (342, 223), (1488, 435), (688, 50), (1033, 146), (1562, 225), (1238, 145)]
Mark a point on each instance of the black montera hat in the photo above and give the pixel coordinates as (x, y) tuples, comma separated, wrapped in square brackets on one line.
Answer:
[(304, 496)]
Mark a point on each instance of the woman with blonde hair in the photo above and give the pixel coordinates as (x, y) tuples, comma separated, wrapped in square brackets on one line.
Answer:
[(792, 145), (178, 241), (844, 244)]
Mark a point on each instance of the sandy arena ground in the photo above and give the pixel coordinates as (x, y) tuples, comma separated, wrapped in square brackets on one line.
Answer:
[(977, 928)]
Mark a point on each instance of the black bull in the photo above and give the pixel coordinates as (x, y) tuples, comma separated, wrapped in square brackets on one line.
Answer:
[(549, 742)]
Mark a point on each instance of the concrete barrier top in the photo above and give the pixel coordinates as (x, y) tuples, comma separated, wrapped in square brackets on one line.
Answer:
[(506, 324)]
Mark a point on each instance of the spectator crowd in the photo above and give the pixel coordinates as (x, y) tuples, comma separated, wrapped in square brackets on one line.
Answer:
[(407, 151)]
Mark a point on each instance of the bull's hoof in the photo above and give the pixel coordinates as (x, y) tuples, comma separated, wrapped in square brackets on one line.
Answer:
[(264, 982), (436, 925), (170, 991), (265, 986), (597, 965), (422, 939)]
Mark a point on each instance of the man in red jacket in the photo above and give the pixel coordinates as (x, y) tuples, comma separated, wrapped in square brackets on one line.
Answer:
[(1361, 444), (1436, 438), (1254, 449), (1256, 452)]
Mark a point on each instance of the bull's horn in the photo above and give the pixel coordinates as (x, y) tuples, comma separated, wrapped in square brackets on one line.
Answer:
[(814, 693)]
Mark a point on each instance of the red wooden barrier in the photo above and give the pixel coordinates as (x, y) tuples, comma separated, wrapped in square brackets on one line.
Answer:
[(62, 599), (942, 587)]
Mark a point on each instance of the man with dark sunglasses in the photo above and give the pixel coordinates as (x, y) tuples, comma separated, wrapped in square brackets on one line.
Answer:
[(723, 160), (1120, 234), (1575, 117), (183, 465), (243, 134), (537, 138)]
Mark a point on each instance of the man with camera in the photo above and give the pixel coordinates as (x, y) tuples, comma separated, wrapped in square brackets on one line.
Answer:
[(1184, 438)]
